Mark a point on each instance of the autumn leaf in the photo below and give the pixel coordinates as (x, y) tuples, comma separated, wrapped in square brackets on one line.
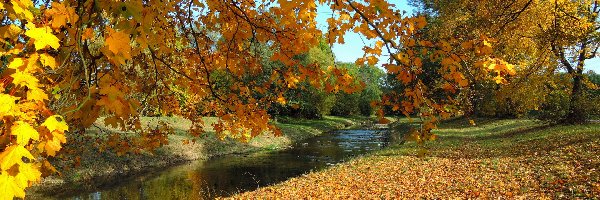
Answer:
[(25, 79), (62, 14), (36, 94), (112, 92), (56, 123), (118, 43), (43, 37), (48, 60), (13, 155), (7, 103), (9, 32), (88, 33), (21, 8), (50, 147), (24, 132), (16, 64), (28, 173), (53, 144), (9, 187)]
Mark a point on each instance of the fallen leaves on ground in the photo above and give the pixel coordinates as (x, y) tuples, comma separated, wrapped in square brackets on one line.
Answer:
[(501, 160)]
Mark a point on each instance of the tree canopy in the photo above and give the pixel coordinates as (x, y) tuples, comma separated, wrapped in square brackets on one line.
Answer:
[(66, 64)]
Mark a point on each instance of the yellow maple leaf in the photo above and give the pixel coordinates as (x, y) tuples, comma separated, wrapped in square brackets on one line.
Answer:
[(50, 147), (7, 103), (13, 155), (56, 123), (24, 132), (372, 60), (510, 69), (53, 145), (420, 22), (485, 48), (24, 79), (21, 8), (9, 187), (467, 45), (16, 64), (43, 37), (32, 63), (28, 173), (36, 94), (48, 60), (499, 80)]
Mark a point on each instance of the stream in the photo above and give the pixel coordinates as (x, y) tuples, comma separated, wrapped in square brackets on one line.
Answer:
[(230, 174)]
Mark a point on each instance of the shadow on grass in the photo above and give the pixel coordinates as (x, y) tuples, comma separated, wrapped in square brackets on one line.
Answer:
[(463, 122), (500, 138), (498, 132)]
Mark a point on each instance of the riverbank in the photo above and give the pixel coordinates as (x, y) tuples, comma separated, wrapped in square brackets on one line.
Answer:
[(97, 169), (494, 158)]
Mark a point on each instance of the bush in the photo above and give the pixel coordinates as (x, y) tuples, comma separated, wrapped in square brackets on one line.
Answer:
[(365, 108), (555, 107), (345, 105)]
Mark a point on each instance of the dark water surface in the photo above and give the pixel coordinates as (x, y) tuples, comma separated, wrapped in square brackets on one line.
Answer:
[(230, 174)]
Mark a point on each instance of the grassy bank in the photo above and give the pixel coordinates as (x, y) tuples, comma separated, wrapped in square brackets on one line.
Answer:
[(101, 168), (495, 158)]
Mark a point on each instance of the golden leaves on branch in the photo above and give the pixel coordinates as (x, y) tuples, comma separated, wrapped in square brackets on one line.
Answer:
[(10, 188), (409, 51), (19, 9), (29, 50), (118, 45), (198, 63), (43, 37), (24, 132), (61, 15)]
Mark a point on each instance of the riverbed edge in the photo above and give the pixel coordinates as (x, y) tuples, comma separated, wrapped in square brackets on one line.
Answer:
[(57, 187)]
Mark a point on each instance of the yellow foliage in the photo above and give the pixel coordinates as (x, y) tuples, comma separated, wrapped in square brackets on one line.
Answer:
[(56, 123), (13, 155), (7, 104), (43, 37), (24, 132), (9, 187)]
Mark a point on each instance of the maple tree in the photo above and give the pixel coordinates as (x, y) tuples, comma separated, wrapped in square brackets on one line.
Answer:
[(540, 37), (73, 62), (573, 37)]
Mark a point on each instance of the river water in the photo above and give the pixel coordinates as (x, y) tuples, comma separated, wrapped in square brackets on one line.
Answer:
[(226, 175)]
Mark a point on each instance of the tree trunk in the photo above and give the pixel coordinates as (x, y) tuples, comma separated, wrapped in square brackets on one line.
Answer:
[(576, 113)]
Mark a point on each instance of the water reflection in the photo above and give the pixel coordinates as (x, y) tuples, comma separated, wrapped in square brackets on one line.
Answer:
[(226, 175)]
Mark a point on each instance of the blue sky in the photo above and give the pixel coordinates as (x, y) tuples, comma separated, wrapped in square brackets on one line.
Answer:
[(352, 49)]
